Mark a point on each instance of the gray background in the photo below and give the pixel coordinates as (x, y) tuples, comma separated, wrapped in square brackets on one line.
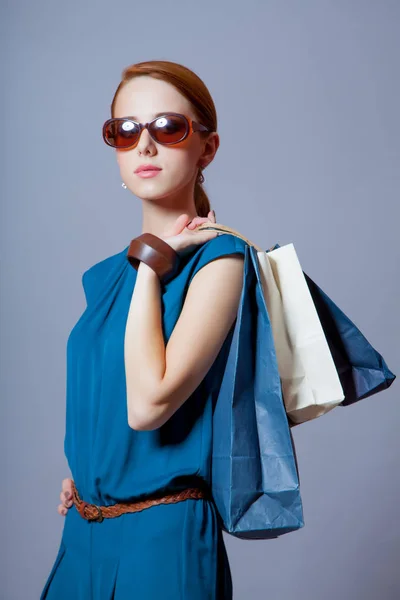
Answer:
[(307, 95)]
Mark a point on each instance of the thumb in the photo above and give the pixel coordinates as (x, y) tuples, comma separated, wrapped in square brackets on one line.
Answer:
[(178, 226)]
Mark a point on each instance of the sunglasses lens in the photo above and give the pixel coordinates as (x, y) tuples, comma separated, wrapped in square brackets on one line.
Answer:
[(121, 133), (169, 129)]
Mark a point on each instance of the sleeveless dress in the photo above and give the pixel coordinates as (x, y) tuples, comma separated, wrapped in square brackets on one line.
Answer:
[(170, 551)]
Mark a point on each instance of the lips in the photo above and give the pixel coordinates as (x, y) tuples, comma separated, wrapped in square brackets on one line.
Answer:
[(147, 168)]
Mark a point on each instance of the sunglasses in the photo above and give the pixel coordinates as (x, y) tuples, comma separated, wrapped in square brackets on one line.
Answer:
[(167, 129)]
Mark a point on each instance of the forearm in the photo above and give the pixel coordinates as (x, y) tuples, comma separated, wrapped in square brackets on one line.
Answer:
[(144, 343)]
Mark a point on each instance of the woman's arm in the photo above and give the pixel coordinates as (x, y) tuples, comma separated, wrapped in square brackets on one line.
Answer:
[(160, 379)]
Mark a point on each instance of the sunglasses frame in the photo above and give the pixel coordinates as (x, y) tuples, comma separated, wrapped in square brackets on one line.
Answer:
[(191, 127)]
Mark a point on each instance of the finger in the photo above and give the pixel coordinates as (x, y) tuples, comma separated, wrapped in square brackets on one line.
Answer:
[(66, 494), (178, 226), (66, 484), (66, 499), (196, 221), (62, 510), (200, 237)]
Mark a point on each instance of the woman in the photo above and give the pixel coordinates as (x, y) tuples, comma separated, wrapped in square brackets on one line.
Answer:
[(143, 366)]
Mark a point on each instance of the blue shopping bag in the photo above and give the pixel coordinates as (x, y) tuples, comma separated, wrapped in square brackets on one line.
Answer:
[(255, 479)]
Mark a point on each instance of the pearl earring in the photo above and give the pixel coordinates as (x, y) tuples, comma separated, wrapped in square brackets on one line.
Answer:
[(123, 185)]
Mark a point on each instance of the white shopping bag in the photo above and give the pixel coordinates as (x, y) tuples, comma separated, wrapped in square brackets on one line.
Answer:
[(310, 383)]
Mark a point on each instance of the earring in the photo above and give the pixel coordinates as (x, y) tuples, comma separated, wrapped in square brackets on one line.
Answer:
[(200, 176), (123, 185)]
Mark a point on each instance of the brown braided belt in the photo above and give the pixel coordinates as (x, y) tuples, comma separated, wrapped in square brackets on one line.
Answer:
[(92, 512)]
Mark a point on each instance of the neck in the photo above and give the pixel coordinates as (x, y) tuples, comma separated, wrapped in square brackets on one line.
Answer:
[(159, 215)]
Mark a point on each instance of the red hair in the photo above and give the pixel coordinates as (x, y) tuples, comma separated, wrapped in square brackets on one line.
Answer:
[(194, 90)]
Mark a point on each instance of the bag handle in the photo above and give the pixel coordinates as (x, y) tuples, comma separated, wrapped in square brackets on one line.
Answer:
[(226, 229)]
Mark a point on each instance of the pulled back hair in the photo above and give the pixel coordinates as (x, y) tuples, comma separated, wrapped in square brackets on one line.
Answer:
[(194, 90)]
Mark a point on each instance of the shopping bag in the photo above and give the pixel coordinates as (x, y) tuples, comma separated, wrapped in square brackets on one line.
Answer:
[(255, 480), (361, 368), (311, 385), (310, 382)]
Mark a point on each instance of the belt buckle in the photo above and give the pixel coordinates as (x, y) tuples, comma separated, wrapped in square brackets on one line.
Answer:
[(99, 518)]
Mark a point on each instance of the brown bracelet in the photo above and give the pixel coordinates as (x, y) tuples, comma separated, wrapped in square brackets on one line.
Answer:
[(156, 253)]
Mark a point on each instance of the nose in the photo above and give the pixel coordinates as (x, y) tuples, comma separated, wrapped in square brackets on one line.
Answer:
[(145, 142)]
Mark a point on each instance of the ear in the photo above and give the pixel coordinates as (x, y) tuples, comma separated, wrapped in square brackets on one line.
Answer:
[(211, 145)]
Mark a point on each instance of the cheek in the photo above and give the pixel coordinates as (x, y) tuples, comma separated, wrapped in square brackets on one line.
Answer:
[(125, 163), (183, 161), (180, 164)]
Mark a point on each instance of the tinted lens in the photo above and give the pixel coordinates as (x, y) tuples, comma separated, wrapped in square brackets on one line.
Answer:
[(121, 133), (169, 129)]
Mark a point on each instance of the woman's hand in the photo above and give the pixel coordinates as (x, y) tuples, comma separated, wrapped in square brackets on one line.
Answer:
[(66, 502), (198, 220), (181, 236)]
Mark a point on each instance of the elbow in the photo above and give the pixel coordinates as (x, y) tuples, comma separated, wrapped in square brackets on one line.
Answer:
[(147, 419), (140, 424)]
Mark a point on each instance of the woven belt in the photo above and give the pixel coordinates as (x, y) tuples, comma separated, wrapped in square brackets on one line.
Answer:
[(92, 512)]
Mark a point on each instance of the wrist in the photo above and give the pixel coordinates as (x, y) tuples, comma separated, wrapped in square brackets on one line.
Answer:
[(156, 253), (146, 270)]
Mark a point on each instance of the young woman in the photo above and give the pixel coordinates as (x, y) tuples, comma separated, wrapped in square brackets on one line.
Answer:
[(143, 367)]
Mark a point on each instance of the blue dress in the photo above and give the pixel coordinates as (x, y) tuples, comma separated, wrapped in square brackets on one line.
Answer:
[(173, 551)]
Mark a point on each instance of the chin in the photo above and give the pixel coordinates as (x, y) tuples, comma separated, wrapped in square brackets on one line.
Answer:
[(155, 193)]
